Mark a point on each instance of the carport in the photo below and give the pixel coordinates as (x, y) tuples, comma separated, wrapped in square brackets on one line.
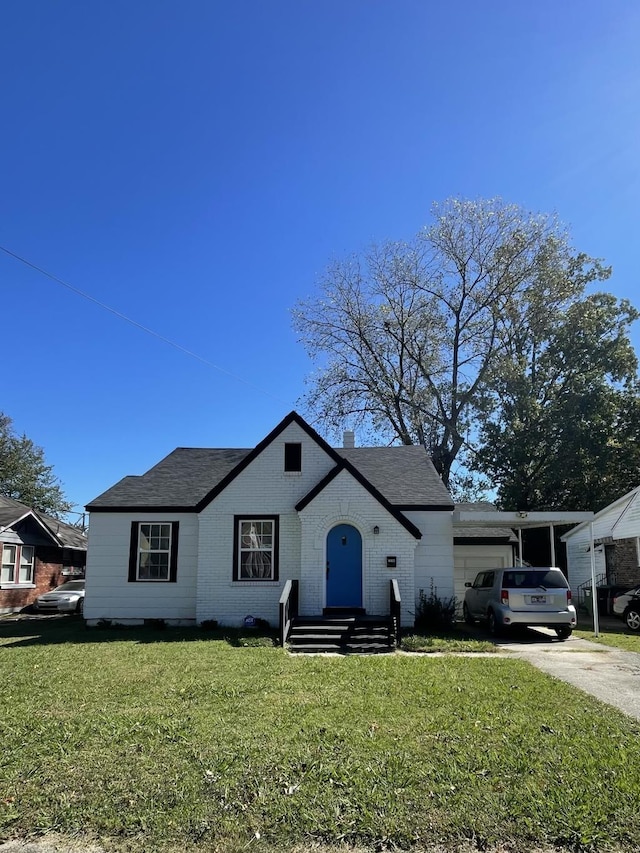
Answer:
[(519, 520)]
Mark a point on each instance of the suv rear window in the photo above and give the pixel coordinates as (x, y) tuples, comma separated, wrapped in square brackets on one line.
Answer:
[(527, 579)]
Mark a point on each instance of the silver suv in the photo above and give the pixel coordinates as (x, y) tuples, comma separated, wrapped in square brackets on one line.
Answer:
[(521, 595)]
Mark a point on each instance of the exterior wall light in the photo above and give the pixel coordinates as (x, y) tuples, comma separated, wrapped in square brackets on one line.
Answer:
[(376, 530)]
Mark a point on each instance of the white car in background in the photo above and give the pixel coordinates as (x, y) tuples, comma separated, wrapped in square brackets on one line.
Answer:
[(621, 601), (66, 598)]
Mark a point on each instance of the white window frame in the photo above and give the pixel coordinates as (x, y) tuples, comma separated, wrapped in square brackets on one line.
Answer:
[(141, 550), (11, 571), (243, 548), (9, 564), (29, 564)]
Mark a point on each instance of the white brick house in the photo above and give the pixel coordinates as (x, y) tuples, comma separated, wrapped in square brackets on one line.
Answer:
[(214, 534)]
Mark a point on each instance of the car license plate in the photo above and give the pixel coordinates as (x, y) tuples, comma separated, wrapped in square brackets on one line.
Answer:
[(538, 599)]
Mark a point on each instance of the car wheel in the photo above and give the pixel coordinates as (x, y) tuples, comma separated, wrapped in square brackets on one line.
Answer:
[(492, 624), (564, 632), (468, 618), (632, 618), (80, 606)]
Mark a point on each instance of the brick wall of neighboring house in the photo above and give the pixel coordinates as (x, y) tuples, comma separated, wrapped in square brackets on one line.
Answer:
[(627, 572), (47, 575)]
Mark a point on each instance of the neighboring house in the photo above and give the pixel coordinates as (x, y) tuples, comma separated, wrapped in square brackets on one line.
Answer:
[(38, 553), (212, 534), (616, 540)]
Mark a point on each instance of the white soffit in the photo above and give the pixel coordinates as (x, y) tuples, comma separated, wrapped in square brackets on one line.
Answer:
[(495, 518)]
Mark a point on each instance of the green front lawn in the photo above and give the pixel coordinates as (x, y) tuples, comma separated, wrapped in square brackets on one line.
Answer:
[(200, 743)]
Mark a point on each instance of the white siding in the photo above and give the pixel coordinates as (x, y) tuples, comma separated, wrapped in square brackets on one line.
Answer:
[(471, 559), (577, 543), (579, 559), (345, 501), (263, 488), (434, 554), (628, 525), (110, 595)]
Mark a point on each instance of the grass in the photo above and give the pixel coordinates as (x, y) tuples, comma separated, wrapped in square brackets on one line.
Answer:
[(613, 634), (178, 739), (454, 641)]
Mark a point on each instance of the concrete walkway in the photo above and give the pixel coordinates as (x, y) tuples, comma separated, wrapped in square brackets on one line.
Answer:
[(609, 674)]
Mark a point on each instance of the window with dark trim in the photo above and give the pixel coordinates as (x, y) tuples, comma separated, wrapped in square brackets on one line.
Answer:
[(293, 457), (255, 548), (153, 554)]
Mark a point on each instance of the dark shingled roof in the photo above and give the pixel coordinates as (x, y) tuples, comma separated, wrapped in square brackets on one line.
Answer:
[(70, 536), (468, 532), (181, 480), (405, 476)]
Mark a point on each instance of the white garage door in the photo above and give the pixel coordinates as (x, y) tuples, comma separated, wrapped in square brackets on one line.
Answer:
[(468, 562)]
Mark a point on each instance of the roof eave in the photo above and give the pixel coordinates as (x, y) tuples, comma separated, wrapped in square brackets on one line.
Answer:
[(344, 465), (140, 508)]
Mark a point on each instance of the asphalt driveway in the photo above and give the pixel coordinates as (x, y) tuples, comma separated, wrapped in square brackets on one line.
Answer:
[(611, 675)]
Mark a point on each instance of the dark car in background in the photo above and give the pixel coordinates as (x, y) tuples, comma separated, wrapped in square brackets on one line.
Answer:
[(622, 600), (631, 612)]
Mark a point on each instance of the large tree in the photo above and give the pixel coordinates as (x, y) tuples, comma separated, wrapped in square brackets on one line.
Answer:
[(25, 475), (562, 424), (405, 335)]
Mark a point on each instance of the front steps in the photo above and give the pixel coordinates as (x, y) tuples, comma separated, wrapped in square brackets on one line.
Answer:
[(342, 634)]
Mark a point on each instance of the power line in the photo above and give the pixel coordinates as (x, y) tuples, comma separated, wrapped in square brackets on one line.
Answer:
[(135, 323)]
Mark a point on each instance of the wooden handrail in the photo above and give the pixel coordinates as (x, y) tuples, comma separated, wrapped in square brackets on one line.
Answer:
[(288, 607), (395, 608)]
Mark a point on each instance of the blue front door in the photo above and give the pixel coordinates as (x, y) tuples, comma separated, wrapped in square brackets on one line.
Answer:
[(344, 567)]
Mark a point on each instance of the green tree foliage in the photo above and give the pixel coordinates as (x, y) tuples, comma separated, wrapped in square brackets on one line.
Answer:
[(562, 421), (24, 474), (406, 337)]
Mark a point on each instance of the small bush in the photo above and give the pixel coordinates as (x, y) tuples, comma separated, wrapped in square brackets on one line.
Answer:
[(452, 642), (209, 625), (435, 614), (255, 641)]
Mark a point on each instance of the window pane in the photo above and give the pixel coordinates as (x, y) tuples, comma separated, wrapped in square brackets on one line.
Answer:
[(26, 564), (154, 566), (256, 534), (255, 564), (8, 563), (533, 580), (256, 549), (154, 551)]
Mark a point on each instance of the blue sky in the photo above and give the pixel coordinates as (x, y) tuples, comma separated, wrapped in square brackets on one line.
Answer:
[(196, 164)]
